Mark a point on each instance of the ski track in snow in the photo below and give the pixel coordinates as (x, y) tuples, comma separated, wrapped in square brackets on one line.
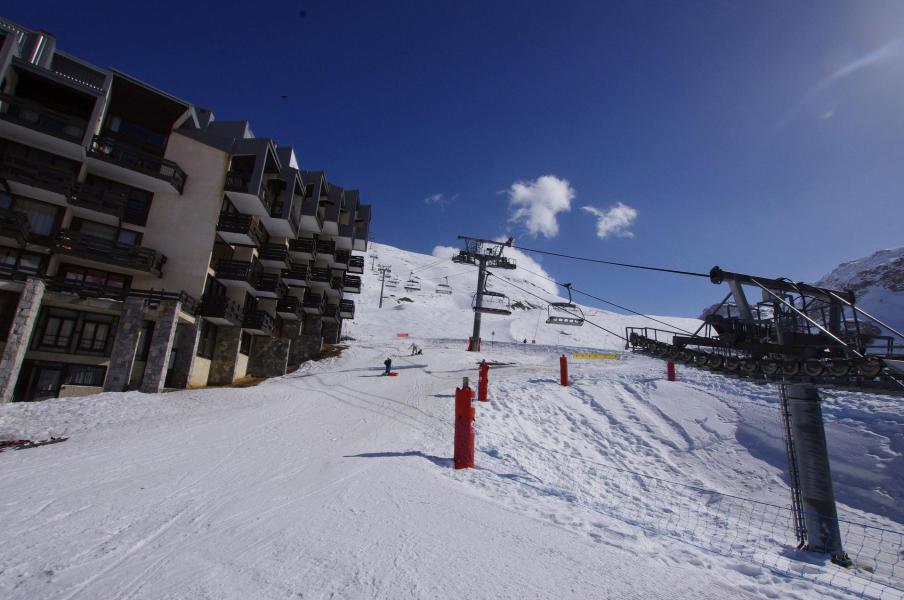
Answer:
[(333, 482)]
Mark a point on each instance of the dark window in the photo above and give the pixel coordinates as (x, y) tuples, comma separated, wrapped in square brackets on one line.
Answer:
[(245, 344), (94, 277), (144, 340), (57, 332), (207, 339), (106, 232), (8, 303), (85, 375), (95, 335), (19, 260), (43, 218)]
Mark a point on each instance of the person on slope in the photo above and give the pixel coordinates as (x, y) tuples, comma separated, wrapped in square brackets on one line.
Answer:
[(415, 350), (388, 364)]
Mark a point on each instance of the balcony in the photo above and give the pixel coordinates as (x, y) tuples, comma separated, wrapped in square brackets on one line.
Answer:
[(289, 308), (84, 289), (340, 260), (310, 216), (258, 322), (238, 273), (32, 174), (221, 310), (296, 276), (270, 285), (104, 204), (302, 249), (117, 160), (275, 256), (327, 247), (254, 197), (14, 226), (351, 284), (88, 250), (346, 309), (36, 125), (331, 312), (313, 303), (241, 230), (321, 277), (356, 265)]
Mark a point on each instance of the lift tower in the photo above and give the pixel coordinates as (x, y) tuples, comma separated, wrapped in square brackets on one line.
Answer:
[(485, 254)]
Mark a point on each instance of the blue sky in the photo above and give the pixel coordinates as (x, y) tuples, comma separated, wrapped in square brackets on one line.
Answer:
[(765, 137)]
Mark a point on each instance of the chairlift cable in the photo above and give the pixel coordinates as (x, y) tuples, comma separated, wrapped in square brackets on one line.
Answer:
[(609, 262)]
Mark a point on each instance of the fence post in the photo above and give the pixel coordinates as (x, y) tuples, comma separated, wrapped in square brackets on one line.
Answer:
[(483, 382), (671, 371), (463, 457), (563, 369)]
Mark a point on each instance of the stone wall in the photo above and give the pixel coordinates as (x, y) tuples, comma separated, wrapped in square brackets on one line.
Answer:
[(186, 346), (125, 344), (225, 355), (269, 357), (161, 347), (19, 335)]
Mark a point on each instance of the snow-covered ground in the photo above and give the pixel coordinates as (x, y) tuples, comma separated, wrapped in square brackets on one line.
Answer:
[(335, 482)]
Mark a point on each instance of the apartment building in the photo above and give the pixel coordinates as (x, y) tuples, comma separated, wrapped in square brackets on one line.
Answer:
[(146, 245)]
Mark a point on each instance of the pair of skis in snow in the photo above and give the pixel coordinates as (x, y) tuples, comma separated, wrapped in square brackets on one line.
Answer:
[(25, 444)]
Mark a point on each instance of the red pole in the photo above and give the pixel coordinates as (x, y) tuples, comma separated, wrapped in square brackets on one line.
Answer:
[(671, 371), (483, 382), (464, 429), (563, 369)]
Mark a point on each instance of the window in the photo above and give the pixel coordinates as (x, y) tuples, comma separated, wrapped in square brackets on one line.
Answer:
[(21, 261), (144, 340), (57, 332), (245, 344), (207, 339), (43, 218), (85, 375), (94, 277), (95, 335), (106, 232)]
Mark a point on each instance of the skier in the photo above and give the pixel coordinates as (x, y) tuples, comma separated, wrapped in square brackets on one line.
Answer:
[(415, 350), (388, 364)]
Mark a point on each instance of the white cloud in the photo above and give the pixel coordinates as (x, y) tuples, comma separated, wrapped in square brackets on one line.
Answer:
[(613, 221), (445, 252), (536, 204), (537, 275), (440, 200)]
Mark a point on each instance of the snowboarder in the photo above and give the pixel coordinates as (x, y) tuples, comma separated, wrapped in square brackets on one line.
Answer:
[(388, 364)]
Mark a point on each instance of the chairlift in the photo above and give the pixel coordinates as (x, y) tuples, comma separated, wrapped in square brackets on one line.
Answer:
[(444, 288), (392, 282), (564, 313), (502, 303), (413, 284)]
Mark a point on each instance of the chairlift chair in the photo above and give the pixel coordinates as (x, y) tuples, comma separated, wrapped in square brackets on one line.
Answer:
[(502, 302), (564, 313), (392, 282), (444, 288), (413, 284)]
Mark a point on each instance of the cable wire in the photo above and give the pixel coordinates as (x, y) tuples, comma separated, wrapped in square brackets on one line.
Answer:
[(609, 262)]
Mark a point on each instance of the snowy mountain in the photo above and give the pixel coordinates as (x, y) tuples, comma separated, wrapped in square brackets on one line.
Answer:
[(877, 282), (336, 482)]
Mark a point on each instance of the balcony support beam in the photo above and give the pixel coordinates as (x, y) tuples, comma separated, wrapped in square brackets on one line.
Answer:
[(269, 357), (19, 335), (308, 344), (161, 348), (125, 345), (186, 347), (225, 356)]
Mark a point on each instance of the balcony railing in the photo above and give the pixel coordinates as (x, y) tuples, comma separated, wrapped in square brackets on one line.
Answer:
[(351, 284), (275, 253), (14, 225), (314, 301), (356, 264), (326, 247), (106, 200), (110, 252), (303, 245), (289, 305), (295, 273), (270, 283), (347, 309), (259, 320), (331, 311), (238, 223), (321, 275), (221, 307), (342, 257), (36, 174), (34, 116), (85, 289), (238, 270), (115, 151), (337, 282)]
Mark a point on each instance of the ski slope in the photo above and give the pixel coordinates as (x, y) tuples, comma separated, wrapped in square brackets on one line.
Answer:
[(334, 482)]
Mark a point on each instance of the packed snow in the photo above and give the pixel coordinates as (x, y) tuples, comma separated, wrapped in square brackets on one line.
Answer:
[(336, 482)]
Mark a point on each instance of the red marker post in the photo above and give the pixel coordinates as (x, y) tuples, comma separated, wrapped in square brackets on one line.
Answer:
[(563, 369), (670, 367), (483, 383), (463, 457)]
